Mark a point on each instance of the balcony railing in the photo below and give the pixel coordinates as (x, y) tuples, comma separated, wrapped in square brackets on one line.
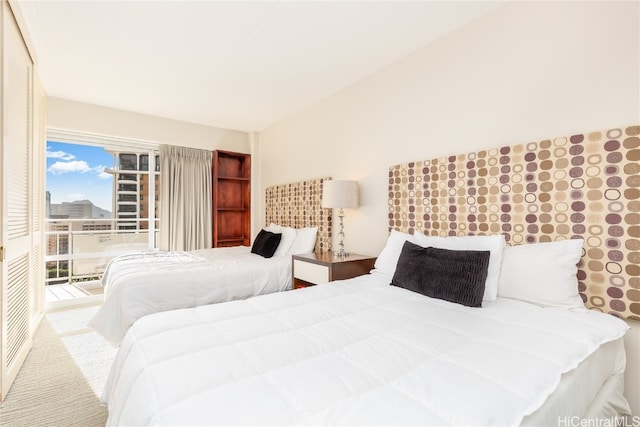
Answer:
[(78, 250)]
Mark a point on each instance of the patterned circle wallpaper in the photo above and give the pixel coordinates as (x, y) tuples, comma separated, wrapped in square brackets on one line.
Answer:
[(299, 204), (582, 186)]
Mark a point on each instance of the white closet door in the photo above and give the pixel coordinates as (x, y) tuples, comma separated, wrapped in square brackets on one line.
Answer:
[(38, 166), (16, 197)]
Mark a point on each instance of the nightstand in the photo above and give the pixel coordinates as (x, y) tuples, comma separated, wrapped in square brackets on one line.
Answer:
[(324, 267)]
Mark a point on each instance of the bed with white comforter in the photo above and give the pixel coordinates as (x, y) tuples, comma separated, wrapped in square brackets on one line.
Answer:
[(136, 285), (360, 352)]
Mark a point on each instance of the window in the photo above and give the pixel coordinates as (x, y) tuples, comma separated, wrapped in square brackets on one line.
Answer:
[(144, 162), (128, 162), (127, 187)]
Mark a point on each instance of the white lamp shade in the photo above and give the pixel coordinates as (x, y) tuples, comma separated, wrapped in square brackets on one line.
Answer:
[(340, 194)]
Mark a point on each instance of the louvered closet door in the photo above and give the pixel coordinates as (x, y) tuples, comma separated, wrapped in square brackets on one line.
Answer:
[(17, 192), (37, 212)]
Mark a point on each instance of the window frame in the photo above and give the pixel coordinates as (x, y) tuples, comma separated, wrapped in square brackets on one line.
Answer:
[(121, 145)]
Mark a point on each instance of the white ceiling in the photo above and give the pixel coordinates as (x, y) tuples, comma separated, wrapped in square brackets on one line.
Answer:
[(235, 64)]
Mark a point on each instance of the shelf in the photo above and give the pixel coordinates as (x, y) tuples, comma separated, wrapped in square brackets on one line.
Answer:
[(231, 198), (234, 178)]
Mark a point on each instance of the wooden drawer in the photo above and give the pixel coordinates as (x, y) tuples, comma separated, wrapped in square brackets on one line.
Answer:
[(324, 267), (312, 273)]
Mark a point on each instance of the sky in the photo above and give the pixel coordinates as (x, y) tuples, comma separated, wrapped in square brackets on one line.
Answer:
[(76, 172)]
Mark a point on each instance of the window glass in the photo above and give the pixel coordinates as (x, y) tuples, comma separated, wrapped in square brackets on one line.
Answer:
[(144, 162), (128, 162), (127, 187)]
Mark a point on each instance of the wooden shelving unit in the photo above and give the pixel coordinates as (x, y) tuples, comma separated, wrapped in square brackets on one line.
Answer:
[(231, 199)]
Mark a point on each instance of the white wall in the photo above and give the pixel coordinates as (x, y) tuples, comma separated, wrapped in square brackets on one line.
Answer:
[(80, 117), (525, 72)]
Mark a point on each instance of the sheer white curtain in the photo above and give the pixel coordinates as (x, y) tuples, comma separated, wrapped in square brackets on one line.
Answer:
[(185, 198)]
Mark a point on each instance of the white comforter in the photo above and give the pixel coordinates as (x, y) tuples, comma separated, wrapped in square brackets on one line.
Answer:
[(355, 352), (140, 284)]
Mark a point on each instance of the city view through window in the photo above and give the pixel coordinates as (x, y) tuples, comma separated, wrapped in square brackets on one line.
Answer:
[(77, 173), (100, 203)]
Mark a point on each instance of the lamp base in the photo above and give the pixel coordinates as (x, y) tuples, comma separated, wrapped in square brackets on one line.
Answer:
[(341, 253)]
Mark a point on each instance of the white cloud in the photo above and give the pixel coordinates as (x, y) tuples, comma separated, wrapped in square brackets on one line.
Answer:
[(59, 155), (59, 168), (101, 173)]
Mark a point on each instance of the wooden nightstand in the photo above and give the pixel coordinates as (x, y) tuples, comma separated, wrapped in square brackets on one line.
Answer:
[(324, 267)]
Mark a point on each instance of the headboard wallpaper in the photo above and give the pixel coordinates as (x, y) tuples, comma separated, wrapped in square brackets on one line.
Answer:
[(582, 186), (299, 204)]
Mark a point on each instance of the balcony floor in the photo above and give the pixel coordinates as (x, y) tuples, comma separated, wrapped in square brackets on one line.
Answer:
[(57, 297)]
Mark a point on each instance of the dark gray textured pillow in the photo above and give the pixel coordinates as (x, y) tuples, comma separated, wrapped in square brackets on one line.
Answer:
[(266, 243), (455, 276)]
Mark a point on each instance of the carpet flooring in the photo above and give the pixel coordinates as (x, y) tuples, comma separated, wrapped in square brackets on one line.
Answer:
[(62, 378)]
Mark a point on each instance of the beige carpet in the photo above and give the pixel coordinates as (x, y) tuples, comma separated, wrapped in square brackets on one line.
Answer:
[(62, 377)]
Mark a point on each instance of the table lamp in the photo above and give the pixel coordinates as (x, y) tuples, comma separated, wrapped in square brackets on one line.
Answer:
[(341, 195)]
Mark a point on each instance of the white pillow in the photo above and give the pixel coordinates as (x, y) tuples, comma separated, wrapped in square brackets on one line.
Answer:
[(493, 244), (388, 258), (542, 273), (288, 237), (305, 241)]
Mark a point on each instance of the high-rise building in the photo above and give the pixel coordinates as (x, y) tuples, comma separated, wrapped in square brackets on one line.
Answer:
[(73, 210), (80, 209), (131, 187), (58, 243)]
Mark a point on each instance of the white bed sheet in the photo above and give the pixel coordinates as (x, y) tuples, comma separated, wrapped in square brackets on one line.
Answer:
[(578, 388), (139, 284), (355, 352)]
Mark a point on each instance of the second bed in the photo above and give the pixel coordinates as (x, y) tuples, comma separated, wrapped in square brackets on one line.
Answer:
[(139, 284)]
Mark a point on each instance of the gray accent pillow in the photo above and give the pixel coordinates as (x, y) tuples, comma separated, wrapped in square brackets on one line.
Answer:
[(266, 243), (450, 275)]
